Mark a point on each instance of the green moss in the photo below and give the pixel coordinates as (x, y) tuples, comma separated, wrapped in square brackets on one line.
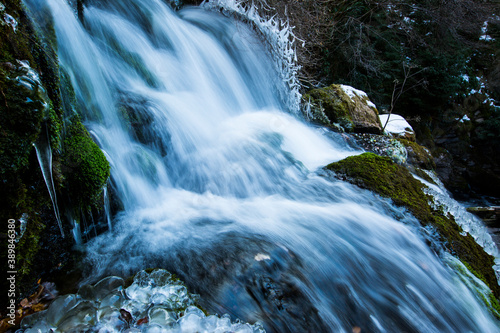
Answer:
[(85, 167), (388, 179), (54, 124), (29, 245), (333, 100), (418, 155), (15, 45)]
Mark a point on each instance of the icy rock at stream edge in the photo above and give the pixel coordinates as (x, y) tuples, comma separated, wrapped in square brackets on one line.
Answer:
[(154, 302), (469, 222)]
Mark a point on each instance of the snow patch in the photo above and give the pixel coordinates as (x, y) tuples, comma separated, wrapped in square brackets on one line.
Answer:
[(396, 124), (464, 118), (353, 92)]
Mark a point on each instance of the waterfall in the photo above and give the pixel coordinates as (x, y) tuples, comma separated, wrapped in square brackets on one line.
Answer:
[(223, 185)]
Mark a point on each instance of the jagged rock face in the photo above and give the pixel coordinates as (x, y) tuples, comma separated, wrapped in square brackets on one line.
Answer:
[(349, 107)]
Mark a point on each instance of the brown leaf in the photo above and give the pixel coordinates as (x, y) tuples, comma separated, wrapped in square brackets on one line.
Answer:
[(144, 320), (25, 304)]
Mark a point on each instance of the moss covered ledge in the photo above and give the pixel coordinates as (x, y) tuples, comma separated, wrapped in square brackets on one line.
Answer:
[(85, 167), (388, 179)]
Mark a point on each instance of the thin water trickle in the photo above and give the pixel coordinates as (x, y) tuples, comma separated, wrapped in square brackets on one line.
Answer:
[(220, 184)]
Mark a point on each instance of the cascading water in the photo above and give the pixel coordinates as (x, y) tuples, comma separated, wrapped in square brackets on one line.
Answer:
[(221, 185)]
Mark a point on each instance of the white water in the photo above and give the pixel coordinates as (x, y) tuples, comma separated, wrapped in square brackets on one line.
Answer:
[(221, 185)]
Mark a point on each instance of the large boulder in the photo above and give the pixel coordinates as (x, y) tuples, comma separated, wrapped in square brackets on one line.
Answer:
[(343, 105)]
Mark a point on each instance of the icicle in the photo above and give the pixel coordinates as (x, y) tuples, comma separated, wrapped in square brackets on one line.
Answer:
[(281, 39), (44, 155), (107, 209)]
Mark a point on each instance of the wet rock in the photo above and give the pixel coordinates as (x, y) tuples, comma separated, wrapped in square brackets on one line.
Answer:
[(491, 217), (487, 214), (388, 179)]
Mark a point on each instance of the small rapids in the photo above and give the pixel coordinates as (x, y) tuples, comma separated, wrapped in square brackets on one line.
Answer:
[(222, 185)]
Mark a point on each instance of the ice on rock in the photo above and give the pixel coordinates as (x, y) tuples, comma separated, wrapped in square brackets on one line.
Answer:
[(161, 316), (59, 308), (142, 279), (84, 313), (104, 314), (210, 321), (107, 285), (31, 320), (40, 327), (154, 328), (113, 299), (136, 308), (138, 293), (224, 322), (152, 303), (194, 310), (160, 299), (161, 277), (86, 292), (190, 323), (243, 328)]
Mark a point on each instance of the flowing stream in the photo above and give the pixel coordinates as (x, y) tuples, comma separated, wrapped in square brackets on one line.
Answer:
[(223, 186)]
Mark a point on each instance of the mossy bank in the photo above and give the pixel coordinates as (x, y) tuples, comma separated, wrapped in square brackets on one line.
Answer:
[(32, 111)]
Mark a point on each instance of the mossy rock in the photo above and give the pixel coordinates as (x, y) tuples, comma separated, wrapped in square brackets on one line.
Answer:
[(388, 179), (85, 167), (346, 106), (418, 155)]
